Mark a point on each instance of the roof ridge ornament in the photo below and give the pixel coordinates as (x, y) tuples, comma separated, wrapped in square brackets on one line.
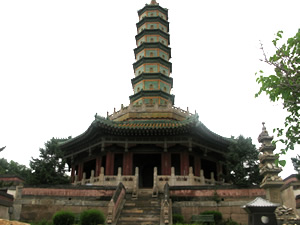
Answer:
[(153, 2)]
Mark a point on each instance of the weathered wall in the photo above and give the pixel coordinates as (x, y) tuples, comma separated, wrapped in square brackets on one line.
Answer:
[(6, 202), (4, 212), (190, 201), (35, 204)]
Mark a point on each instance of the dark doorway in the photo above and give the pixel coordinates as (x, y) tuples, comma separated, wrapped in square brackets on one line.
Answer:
[(175, 162), (146, 164), (118, 163), (208, 167), (88, 167), (192, 162)]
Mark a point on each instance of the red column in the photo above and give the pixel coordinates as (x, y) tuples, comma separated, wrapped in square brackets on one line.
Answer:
[(98, 165), (72, 174), (80, 171), (184, 163), (109, 170), (197, 165), (127, 163), (219, 170), (166, 163)]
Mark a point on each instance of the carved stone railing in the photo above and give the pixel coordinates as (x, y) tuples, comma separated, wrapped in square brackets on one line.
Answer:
[(166, 207), (131, 182), (116, 204), (188, 180), (148, 108), (107, 180)]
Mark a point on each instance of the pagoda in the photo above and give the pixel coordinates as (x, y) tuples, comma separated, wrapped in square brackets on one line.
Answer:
[(149, 142)]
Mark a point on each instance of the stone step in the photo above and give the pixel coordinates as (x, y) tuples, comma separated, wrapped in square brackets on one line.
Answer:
[(148, 210), (138, 223), (149, 218)]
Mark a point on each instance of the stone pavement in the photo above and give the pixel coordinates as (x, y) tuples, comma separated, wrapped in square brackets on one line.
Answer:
[(7, 222)]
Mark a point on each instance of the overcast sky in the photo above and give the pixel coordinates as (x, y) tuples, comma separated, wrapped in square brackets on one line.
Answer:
[(63, 61)]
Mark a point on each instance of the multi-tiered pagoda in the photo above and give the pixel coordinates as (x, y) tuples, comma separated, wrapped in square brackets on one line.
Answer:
[(150, 142)]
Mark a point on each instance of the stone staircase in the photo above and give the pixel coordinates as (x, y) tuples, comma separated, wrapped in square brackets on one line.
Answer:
[(144, 210)]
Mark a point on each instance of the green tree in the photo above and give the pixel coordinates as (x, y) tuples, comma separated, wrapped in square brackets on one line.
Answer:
[(284, 86), (49, 168), (296, 164), (14, 168), (242, 162)]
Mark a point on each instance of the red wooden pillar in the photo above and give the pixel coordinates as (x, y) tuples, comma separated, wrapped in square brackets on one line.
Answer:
[(184, 163), (197, 165), (98, 165), (80, 171), (109, 170), (219, 170), (166, 163), (127, 163), (73, 174)]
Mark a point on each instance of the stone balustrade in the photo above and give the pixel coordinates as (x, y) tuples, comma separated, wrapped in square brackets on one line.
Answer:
[(149, 108), (107, 180), (131, 183)]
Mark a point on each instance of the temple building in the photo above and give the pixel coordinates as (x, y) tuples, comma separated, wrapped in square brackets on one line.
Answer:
[(150, 141), (150, 160)]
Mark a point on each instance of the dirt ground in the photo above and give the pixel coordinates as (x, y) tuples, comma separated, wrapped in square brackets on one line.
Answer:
[(7, 222)]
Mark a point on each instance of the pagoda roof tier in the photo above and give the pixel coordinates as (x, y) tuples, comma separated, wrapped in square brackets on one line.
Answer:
[(153, 32), (144, 60), (153, 45), (151, 76), (153, 7), (103, 127), (151, 93), (153, 19)]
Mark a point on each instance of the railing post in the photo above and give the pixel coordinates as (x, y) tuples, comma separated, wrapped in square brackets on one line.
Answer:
[(92, 177), (101, 176), (173, 178), (191, 176), (155, 188), (202, 178), (119, 176), (83, 178), (135, 183)]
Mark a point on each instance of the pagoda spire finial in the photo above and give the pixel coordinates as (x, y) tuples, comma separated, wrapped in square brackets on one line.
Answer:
[(153, 2)]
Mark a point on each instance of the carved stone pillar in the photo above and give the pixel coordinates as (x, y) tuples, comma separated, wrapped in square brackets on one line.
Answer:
[(271, 182)]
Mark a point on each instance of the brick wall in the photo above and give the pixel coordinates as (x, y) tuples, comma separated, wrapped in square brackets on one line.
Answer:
[(227, 200), (42, 203)]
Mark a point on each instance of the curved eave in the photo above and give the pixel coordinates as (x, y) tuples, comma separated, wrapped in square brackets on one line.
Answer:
[(85, 136), (153, 45), (151, 32), (102, 126), (153, 19), (145, 60), (151, 93), (153, 7), (207, 134), (151, 76)]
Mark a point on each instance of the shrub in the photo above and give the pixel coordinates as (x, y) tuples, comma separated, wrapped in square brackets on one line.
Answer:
[(92, 217), (177, 218), (43, 222), (230, 222), (217, 216), (63, 218)]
